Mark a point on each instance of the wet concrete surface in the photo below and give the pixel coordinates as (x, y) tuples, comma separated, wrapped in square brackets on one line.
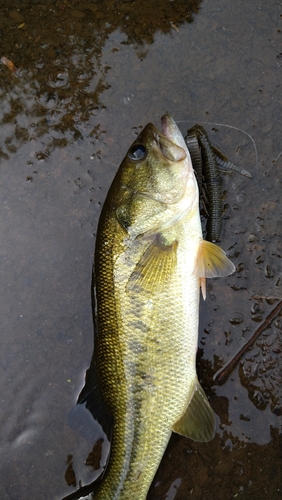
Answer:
[(87, 76)]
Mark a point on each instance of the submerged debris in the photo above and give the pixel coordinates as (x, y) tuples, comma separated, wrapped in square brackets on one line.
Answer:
[(12, 67)]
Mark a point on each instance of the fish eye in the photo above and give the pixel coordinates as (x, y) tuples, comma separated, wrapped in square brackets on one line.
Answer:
[(137, 152)]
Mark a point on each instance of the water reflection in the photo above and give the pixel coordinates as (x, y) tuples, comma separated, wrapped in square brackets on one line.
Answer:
[(61, 79)]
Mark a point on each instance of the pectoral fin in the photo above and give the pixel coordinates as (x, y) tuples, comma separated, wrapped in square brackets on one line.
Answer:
[(198, 421), (212, 261), (155, 266), (203, 285)]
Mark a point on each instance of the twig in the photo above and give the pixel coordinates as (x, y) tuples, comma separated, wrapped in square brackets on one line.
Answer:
[(222, 375)]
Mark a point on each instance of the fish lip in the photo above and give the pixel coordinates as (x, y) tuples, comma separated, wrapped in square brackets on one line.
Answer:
[(165, 127), (171, 131), (167, 122)]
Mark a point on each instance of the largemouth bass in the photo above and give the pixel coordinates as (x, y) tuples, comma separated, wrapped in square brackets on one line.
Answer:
[(150, 262)]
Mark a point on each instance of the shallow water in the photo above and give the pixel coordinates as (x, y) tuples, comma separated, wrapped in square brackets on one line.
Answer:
[(89, 76)]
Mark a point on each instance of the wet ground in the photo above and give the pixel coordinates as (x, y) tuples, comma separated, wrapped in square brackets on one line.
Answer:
[(79, 81)]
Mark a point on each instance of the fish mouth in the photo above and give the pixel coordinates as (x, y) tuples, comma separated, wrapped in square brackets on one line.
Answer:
[(167, 140), (165, 121), (169, 149), (172, 132)]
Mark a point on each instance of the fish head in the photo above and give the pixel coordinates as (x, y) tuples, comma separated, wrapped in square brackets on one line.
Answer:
[(156, 180)]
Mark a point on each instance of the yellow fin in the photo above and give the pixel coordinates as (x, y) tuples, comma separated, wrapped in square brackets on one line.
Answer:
[(198, 421), (155, 266), (212, 261), (203, 285)]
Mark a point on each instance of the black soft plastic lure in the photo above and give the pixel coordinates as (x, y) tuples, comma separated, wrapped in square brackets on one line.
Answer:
[(213, 181), (207, 162)]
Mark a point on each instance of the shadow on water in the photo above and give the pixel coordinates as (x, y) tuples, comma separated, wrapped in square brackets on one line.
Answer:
[(87, 77)]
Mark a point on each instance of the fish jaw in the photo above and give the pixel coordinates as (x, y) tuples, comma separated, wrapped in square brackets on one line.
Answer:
[(172, 132)]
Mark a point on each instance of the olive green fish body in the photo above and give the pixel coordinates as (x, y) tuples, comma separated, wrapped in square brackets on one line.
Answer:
[(147, 279)]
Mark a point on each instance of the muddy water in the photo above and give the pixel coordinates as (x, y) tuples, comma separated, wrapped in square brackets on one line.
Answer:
[(87, 76)]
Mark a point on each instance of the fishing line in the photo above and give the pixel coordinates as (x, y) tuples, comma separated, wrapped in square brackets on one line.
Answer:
[(234, 128), (277, 157), (250, 137)]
